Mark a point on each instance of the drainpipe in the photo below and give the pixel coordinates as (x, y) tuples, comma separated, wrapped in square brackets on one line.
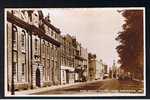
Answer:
[(31, 59), (28, 59), (12, 80)]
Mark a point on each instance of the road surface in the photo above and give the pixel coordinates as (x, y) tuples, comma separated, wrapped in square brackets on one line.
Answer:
[(102, 86)]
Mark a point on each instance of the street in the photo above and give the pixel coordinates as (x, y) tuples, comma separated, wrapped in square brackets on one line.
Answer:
[(101, 86)]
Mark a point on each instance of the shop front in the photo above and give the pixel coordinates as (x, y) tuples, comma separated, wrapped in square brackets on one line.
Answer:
[(67, 75)]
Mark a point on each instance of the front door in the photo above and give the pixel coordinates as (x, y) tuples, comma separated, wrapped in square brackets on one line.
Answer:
[(38, 77), (67, 76)]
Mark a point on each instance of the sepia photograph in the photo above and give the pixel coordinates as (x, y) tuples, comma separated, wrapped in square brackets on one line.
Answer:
[(74, 52)]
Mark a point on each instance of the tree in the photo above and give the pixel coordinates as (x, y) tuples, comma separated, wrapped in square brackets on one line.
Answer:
[(131, 47)]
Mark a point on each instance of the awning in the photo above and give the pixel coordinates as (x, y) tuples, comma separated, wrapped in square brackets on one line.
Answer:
[(67, 68)]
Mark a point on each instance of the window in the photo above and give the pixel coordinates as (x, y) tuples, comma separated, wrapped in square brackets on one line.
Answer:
[(49, 30), (35, 14), (65, 61), (52, 33), (48, 48), (43, 46), (77, 52), (55, 36), (56, 51), (23, 68), (52, 47), (23, 38), (36, 44), (14, 33), (14, 36), (14, 66)]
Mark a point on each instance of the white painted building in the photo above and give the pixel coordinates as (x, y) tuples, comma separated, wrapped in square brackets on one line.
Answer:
[(67, 75), (99, 69)]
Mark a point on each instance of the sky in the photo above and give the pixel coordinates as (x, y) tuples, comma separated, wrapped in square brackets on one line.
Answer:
[(95, 28)]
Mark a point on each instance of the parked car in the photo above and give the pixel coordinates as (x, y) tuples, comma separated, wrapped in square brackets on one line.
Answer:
[(125, 77), (105, 76)]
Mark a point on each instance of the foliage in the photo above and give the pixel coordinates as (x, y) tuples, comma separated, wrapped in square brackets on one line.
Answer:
[(130, 49)]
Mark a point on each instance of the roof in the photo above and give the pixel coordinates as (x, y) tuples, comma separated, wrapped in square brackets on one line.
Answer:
[(51, 26)]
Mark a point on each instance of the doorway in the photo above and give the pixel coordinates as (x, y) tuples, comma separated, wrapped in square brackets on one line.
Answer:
[(38, 78), (67, 76)]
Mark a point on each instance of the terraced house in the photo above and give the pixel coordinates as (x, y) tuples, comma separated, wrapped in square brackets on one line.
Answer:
[(33, 50)]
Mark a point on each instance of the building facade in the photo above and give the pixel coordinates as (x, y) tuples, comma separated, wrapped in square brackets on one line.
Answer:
[(74, 60), (33, 50), (99, 70), (79, 62), (84, 55), (92, 66), (67, 60), (114, 70)]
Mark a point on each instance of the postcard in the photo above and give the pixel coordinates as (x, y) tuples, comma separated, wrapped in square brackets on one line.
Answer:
[(75, 52)]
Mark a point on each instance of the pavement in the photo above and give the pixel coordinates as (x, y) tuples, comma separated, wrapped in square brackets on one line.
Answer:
[(51, 88)]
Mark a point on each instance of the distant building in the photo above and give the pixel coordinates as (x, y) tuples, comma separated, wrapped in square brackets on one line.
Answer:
[(84, 55), (92, 66), (110, 72), (105, 68), (99, 69), (114, 70)]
